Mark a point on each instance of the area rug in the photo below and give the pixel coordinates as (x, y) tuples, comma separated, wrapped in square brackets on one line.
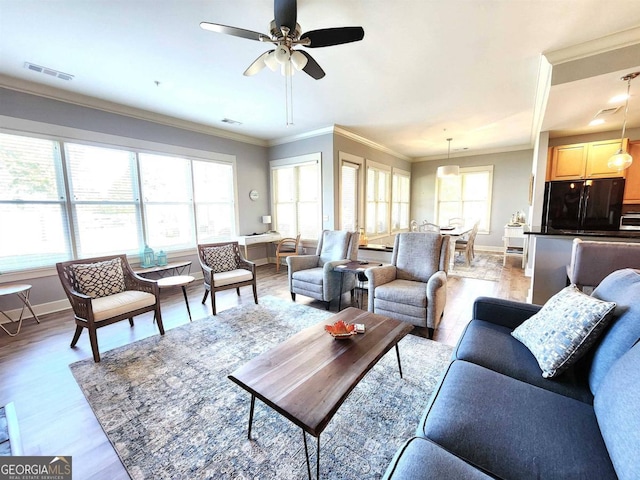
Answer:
[(486, 266), (170, 411)]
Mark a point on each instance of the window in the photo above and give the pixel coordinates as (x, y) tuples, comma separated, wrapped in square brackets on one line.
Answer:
[(297, 196), (32, 204), (467, 195), (400, 196), (378, 177), (168, 201), (214, 200), (103, 188), (350, 189), (62, 200)]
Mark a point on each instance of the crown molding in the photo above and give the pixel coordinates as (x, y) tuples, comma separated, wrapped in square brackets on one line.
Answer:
[(474, 153), (338, 130), (53, 93), (300, 136), (604, 44)]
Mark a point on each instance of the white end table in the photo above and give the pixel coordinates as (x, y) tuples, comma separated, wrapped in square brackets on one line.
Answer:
[(178, 281), (22, 292)]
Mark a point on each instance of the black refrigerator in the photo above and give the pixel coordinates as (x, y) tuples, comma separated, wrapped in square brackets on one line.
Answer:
[(583, 205)]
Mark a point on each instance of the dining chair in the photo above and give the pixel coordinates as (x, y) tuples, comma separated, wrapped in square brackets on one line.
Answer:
[(429, 227), (466, 245), (286, 248)]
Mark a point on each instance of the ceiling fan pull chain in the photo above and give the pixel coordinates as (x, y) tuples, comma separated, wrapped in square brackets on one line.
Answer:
[(288, 97)]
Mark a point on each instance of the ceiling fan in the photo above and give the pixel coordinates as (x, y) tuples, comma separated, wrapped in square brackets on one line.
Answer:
[(285, 35)]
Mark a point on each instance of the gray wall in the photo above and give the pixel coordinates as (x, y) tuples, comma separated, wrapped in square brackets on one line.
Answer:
[(322, 144), (511, 174), (251, 165)]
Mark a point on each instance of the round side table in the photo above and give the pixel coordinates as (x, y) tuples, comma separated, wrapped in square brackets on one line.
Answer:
[(178, 281), (22, 292)]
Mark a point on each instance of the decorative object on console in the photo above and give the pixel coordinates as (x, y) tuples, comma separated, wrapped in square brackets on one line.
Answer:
[(161, 258), (147, 257), (448, 170), (621, 159), (266, 219)]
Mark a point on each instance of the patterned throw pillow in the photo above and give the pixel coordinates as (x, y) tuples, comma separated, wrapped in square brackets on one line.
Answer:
[(99, 279), (564, 329), (220, 259)]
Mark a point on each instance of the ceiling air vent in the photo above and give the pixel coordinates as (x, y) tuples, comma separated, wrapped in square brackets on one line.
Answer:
[(48, 71), (231, 122)]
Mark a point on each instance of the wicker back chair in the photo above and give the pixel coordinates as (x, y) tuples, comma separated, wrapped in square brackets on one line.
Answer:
[(105, 290), (223, 267)]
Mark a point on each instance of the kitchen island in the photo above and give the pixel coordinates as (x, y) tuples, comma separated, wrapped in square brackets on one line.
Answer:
[(550, 253)]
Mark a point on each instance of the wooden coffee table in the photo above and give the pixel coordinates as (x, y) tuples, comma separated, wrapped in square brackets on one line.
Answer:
[(308, 376)]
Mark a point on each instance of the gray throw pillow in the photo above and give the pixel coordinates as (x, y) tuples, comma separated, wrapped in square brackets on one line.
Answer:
[(564, 329)]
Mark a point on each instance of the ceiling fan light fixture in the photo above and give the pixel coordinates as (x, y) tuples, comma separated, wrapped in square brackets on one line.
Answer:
[(282, 54), (298, 59), (621, 159), (448, 170), (271, 62)]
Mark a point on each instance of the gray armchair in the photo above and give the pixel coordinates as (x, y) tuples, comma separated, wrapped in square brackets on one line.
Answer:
[(414, 287), (314, 276)]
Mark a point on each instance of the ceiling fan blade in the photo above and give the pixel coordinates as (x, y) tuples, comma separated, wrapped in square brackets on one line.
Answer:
[(236, 32), (312, 68), (326, 37), (257, 65), (285, 13)]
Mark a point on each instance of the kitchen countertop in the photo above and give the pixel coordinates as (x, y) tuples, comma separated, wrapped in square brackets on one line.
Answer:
[(585, 233)]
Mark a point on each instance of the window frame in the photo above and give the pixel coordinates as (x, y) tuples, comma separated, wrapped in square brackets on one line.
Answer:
[(294, 163), (484, 228), (60, 136), (398, 172), (377, 168)]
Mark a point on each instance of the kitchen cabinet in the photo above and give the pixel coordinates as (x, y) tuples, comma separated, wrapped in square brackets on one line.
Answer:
[(584, 160), (632, 183)]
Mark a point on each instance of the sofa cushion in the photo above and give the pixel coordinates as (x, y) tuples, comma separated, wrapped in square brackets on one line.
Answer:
[(514, 430), (421, 459), (335, 244), (622, 287), (564, 329), (616, 407), (220, 259), (314, 276), (492, 346), (229, 277), (121, 303), (405, 292), (99, 279)]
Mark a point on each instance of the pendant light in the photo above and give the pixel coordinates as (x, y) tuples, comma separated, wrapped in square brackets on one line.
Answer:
[(621, 159), (448, 170)]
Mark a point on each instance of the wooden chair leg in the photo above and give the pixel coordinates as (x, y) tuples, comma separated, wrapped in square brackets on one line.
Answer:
[(293, 296), (206, 293), (238, 291), (277, 264), (430, 332), (76, 335), (255, 293), (158, 316), (131, 321), (93, 339), (213, 302)]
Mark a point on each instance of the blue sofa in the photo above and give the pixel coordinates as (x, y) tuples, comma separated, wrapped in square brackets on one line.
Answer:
[(493, 415)]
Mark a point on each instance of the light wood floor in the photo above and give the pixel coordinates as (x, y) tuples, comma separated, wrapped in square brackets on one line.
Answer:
[(55, 418)]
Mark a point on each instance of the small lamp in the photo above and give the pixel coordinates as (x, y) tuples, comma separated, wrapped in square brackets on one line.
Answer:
[(622, 159), (266, 219), (448, 170)]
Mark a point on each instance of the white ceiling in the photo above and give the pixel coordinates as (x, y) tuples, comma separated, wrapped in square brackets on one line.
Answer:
[(425, 71)]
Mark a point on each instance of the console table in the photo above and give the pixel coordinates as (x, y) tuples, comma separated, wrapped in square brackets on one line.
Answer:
[(170, 269), (247, 240)]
